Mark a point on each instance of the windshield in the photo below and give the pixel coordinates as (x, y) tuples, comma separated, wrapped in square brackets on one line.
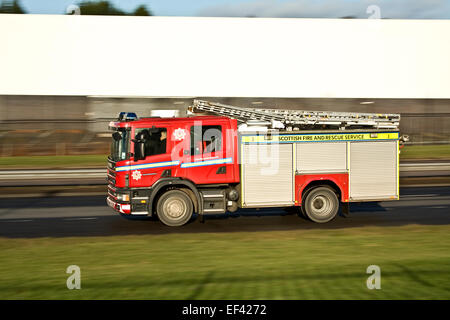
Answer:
[(119, 145)]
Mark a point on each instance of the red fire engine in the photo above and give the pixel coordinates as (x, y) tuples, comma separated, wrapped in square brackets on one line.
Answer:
[(174, 168)]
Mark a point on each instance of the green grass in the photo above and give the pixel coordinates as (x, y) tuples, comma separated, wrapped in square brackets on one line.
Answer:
[(299, 264), (425, 152), (53, 161)]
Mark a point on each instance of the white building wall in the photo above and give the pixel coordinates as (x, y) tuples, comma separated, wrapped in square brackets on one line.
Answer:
[(224, 57)]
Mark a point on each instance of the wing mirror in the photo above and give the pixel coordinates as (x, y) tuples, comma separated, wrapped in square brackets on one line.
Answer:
[(139, 146), (117, 136)]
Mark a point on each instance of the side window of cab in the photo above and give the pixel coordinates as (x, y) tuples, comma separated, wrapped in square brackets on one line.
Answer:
[(206, 139), (155, 140)]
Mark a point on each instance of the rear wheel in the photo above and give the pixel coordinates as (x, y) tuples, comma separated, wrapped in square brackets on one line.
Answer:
[(302, 207), (174, 208), (321, 204)]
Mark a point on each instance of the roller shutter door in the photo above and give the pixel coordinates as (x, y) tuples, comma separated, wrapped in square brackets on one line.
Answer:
[(373, 170), (321, 157), (267, 174)]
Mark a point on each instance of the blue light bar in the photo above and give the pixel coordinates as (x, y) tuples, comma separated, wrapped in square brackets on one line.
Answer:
[(127, 116)]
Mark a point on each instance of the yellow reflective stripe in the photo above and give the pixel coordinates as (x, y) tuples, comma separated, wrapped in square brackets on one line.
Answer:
[(348, 168), (206, 163), (242, 176), (398, 170), (148, 165), (321, 137)]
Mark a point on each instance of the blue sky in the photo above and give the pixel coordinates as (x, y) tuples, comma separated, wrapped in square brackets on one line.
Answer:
[(396, 9), (159, 7)]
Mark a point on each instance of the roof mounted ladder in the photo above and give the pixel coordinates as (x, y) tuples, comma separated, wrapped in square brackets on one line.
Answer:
[(290, 119)]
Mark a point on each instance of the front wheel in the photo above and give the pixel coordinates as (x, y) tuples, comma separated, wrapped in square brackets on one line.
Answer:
[(321, 204), (174, 208)]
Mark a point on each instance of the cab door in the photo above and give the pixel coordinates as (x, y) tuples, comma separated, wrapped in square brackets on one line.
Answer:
[(209, 162), (158, 161)]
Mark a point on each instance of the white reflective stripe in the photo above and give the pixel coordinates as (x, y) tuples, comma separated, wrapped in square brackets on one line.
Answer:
[(206, 163), (148, 165)]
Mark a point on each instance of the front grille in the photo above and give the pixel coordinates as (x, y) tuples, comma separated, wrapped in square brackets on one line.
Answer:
[(111, 164), (111, 175), (111, 195), (111, 178), (111, 183)]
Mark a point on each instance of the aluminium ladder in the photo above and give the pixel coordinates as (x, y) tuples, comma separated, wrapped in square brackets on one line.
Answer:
[(299, 119)]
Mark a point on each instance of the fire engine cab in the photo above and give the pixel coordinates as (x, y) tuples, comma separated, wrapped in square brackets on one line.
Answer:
[(234, 157)]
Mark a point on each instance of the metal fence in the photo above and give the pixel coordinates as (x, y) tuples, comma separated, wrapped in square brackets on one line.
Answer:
[(37, 125)]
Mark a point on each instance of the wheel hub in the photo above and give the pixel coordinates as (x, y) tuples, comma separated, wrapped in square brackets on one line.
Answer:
[(321, 205), (175, 208)]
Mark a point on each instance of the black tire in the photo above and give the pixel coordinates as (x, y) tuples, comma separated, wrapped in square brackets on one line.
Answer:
[(321, 204), (174, 208), (302, 211), (302, 207)]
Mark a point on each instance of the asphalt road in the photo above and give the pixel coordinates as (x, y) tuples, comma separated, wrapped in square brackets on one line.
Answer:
[(89, 216)]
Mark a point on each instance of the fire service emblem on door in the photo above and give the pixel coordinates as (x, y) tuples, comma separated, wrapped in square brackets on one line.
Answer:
[(179, 134), (136, 175)]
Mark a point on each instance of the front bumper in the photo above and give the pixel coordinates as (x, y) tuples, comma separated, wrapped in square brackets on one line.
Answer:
[(119, 207)]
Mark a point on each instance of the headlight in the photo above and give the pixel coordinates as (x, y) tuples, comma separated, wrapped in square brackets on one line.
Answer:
[(123, 197)]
